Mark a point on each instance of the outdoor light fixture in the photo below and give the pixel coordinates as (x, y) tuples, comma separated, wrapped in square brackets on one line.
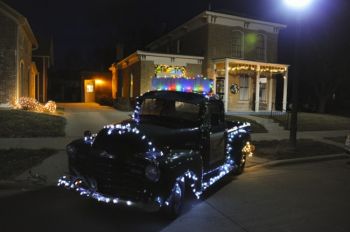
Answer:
[(298, 4), (98, 82)]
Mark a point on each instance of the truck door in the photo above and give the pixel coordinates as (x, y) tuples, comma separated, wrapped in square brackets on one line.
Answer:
[(217, 134)]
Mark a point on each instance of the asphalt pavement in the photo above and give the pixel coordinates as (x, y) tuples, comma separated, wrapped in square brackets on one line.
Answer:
[(295, 198)]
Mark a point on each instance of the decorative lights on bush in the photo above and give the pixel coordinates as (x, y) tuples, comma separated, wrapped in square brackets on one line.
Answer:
[(28, 103), (169, 71)]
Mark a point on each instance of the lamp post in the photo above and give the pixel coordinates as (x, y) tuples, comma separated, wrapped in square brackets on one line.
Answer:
[(297, 6)]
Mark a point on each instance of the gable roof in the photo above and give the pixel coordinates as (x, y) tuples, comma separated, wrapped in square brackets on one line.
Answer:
[(21, 21)]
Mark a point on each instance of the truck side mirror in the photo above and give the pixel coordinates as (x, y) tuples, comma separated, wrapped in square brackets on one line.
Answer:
[(87, 133)]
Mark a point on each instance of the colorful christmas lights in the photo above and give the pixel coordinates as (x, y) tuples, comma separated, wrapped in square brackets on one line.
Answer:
[(184, 84)]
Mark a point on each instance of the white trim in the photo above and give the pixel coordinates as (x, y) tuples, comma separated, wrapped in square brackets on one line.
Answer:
[(163, 58), (278, 25), (226, 85), (241, 61), (214, 78), (285, 88), (270, 84), (257, 90), (139, 52)]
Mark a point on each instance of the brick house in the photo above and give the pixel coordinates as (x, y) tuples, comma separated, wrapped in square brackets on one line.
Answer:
[(17, 71), (238, 54)]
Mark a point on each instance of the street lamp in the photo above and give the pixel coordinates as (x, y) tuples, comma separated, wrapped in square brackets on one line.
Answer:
[(298, 6)]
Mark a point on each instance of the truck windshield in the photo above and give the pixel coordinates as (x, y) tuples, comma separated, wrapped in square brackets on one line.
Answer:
[(170, 109)]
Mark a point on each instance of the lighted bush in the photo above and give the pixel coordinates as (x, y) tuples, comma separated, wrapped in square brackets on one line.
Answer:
[(50, 106), (28, 103)]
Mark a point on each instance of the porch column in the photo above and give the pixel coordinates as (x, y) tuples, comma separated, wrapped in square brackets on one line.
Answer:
[(257, 89), (226, 85), (270, 83), (214, 79), (285, 88)]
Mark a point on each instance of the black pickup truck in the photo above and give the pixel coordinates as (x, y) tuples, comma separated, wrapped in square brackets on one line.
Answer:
[(174, 141)]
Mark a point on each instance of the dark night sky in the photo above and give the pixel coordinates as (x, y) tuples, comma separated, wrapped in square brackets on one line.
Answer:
[(85, 31)]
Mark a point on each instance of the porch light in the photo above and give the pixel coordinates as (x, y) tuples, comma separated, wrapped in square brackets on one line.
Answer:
[(99, 82)]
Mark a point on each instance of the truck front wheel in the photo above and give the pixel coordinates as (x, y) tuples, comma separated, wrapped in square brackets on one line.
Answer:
[(173, 205)]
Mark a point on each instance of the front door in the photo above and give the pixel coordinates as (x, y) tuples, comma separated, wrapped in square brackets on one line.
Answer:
[(217, 134), (217, 147)]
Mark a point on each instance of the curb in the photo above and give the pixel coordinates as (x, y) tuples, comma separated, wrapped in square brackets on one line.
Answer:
[(10, 188), (276, 163)]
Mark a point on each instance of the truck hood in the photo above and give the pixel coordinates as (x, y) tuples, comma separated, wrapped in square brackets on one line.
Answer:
[(137, 138)]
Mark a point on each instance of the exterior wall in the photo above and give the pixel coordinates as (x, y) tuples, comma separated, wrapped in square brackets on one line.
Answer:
[(193, 69), (43, 64), (134, 70), (24, 51), (8, 62), (147, 72), (235, 104), (15, 59), (194, 43)]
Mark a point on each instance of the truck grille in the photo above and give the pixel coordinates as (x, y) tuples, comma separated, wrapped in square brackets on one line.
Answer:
[(122, 178)]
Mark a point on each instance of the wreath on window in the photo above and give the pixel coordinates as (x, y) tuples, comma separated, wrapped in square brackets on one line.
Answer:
[(234, 88)]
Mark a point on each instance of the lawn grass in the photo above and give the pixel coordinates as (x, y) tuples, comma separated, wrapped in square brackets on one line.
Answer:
[(280, 149), (256, 127), (14, 162), (22, 124), (315, 121)]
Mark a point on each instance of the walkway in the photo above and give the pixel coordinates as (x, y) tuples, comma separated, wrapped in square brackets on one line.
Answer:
[(276, 132)]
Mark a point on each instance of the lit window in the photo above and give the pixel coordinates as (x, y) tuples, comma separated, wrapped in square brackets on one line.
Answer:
[(244, 87), (90, 88)]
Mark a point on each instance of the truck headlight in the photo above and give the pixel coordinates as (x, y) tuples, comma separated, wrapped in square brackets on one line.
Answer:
[(152, 172)]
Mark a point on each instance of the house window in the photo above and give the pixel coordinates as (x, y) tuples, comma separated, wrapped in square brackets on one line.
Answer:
[(260, 47), (244, 87), (237, 44), (262, 92)]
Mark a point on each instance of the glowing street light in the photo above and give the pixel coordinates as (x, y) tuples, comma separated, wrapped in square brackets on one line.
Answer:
[(299, 6)]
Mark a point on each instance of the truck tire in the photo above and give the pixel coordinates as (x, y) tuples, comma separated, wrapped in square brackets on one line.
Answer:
[(175, 200), (240, 161)]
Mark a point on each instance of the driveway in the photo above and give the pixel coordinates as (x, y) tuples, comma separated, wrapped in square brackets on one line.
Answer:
[(89, 116)]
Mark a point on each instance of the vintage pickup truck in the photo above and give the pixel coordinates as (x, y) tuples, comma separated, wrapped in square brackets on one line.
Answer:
[(174, 141)]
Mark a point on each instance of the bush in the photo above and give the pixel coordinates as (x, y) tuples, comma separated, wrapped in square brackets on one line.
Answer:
[(28, 103)]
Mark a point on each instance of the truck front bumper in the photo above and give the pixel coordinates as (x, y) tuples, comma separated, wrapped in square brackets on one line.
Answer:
[(82, 187)]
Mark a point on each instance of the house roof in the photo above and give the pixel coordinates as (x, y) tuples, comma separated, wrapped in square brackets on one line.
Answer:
[(21, 21), (152, 55), (210, 17)]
